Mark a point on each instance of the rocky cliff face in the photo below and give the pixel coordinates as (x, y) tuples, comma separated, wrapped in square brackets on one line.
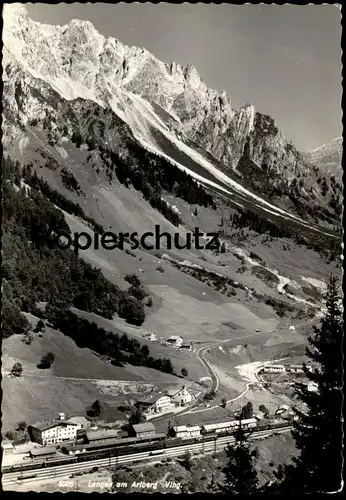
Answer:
[(75, 61), (328, 158)]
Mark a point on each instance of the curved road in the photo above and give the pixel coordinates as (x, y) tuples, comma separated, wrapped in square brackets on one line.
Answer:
[(209, 367)]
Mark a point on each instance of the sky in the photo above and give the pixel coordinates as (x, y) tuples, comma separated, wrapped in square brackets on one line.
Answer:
[(285, 60)]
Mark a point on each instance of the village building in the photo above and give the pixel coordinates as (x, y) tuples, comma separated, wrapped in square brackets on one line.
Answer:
[(101, 436), (55, 431), (282, 409), (312, 387), (296, 369), (175, 341), (186, 346), (260, 415), (274, 369), (43, 452), (184, 431), (156, 403), (142, 430), (7, 448), (180, 397), (150, 336), (107, 410)]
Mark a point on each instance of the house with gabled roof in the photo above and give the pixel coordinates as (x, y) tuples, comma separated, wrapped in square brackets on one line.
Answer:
[(181, 396), (154, 403), (175, 340), (55, 431)]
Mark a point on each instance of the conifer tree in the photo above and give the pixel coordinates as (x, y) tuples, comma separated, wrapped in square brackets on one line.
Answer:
[(318, 428), (240, 473)]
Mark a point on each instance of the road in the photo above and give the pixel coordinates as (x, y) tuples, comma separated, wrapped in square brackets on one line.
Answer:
[(9, 480), (214, 378), (208, 366)]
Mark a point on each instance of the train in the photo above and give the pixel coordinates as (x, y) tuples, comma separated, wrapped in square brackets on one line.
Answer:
[(127, 446)]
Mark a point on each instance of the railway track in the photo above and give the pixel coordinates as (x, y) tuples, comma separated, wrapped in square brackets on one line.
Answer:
[(13, 479)]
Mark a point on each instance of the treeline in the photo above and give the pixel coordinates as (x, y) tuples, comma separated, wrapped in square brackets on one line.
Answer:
[(153, 176), (328, 247), (32, 179), (120, 349), (159, 173), (35, 269)]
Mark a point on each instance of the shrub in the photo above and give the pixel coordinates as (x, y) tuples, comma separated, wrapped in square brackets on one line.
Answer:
[(133, 280), (47, 360), (39, 326), (22, 425), (132, 310), (17, 370), (137, 292)]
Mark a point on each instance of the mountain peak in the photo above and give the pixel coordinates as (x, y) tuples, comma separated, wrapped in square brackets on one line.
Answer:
[(334, 143), (15, 10)]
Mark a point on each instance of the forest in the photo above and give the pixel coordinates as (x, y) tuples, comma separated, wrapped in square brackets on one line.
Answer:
[(36, 270)]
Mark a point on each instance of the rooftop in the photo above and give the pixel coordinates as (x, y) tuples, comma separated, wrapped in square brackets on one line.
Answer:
[(144, 427), (43, 451), (7, 446), (274, 366), (260, 415), (186, 428), (106, 434), (109, 402), (43, 426), (218, 425), (248, 421), (174, 338), (151, 398), (174, 390)]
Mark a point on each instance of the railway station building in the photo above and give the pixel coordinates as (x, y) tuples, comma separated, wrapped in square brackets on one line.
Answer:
[(55, 431)]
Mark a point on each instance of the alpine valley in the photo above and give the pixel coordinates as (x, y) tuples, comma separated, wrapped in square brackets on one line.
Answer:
[(98, 136)]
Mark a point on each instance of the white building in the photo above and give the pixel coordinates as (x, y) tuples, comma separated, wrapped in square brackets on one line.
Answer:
[(7, 448), (55, 431), (274, 369), (150, 336), (296, 369), (312, 387), (180, 397), (248, 423), (183, 431), (155, 404), (220, 427), (175, 341)]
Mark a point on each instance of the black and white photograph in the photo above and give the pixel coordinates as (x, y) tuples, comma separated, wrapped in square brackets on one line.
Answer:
[(172, 248)]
